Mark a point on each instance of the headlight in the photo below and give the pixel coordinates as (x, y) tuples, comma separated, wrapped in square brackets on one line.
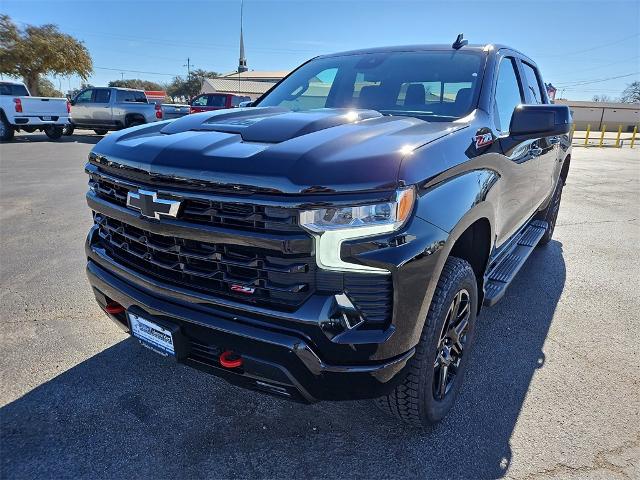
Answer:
[(331, 226), (390, 214)]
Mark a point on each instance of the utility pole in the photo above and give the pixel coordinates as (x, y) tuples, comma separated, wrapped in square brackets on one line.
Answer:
[(121, 75), (188, 65)]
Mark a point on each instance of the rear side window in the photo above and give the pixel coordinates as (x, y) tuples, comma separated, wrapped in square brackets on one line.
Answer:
[(216, 101), (508, 94), (534, 92), (13, 90), (102, 95), (235, 101)]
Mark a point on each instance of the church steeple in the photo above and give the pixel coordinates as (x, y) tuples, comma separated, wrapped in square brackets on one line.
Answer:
[(242, 63)]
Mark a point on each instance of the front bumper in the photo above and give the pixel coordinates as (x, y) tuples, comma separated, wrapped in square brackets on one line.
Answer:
[(274, 361)]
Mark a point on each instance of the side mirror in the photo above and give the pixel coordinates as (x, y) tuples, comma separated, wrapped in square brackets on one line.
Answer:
[(245, 104), (72, 101), (533, 121)]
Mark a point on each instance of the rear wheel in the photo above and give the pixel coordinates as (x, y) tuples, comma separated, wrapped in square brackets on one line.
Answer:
[(6, 129), (436, 370), (133, 121), (101, 131), (68, 130), (54, 132)]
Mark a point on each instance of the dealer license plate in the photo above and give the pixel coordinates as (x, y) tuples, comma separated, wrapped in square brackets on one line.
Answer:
[(46, 118), (152, 335)]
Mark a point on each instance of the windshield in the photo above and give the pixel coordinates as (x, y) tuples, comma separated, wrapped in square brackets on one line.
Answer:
[(432, 84)]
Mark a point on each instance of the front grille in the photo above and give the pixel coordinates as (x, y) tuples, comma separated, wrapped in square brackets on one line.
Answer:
[(245, 274), (372, 295), (227, 214)]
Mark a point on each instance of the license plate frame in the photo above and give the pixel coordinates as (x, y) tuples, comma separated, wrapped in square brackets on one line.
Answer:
[(152, 335)]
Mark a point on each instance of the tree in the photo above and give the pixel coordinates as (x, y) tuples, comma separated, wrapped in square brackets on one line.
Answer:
[(602, 98), (631, 94), (136, 83), (47, 89), (181, 88), (35, 51)]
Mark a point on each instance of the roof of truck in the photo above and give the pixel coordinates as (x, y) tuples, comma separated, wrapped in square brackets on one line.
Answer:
[(417, 48)]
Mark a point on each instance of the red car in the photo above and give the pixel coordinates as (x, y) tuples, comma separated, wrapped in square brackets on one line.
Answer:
[(216, 101)]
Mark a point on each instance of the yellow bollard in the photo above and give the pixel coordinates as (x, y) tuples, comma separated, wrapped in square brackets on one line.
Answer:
[(633, 137), (618, 137), (604, 127), (586, 137), (573, 130)]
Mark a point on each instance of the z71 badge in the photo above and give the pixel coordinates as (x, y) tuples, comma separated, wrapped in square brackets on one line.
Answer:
[(484, 139)]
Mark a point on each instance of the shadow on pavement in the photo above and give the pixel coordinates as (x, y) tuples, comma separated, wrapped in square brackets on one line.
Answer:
[(41, 137), (127, 412)]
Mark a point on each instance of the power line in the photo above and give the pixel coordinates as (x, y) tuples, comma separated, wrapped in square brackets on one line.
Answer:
[(588, 82), (136, 71), (615, 42)]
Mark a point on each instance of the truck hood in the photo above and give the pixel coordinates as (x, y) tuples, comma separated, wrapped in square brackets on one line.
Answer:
[(274, 149)]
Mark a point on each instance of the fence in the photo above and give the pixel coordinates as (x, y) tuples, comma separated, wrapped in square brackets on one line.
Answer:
[(602, 138)]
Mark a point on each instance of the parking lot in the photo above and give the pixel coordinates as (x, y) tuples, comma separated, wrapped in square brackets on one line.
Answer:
[(552, 390)]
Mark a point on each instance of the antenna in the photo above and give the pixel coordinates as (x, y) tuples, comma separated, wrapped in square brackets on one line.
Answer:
[(459, 43)]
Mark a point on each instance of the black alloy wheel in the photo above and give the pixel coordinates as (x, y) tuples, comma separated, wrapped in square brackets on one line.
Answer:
[(451, 345)]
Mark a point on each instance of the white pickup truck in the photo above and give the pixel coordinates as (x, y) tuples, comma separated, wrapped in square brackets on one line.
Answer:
[(20, 111)]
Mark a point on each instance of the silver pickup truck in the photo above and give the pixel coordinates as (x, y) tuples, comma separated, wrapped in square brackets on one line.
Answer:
[(108, 108)]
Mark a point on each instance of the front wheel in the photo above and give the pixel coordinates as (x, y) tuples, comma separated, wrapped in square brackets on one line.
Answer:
[(6, 129), (436, 370), (54, 132)]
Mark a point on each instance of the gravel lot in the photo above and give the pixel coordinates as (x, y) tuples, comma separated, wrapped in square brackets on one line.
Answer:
[(552, 391)]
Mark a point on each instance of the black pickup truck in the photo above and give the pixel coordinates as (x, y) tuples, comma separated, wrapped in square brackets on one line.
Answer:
[(337, 239)]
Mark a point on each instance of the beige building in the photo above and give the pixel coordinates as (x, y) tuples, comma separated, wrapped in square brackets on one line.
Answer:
[(250, 83), (610, 114)]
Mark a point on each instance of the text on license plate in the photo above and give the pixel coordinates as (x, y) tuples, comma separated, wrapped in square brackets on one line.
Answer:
[(152, 335)]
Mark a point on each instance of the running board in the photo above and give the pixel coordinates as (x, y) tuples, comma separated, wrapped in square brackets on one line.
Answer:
[(502, 274)]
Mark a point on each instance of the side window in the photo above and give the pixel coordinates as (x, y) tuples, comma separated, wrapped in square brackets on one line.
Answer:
[(200, 101), (508, 95), (102, 95), (84, 97), (235, 101), (534, 92)]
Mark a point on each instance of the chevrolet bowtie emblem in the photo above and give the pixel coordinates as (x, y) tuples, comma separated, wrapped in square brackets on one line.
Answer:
[(151, 206)]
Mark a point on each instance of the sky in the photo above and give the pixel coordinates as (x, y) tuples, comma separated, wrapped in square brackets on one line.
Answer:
[(584, 48)]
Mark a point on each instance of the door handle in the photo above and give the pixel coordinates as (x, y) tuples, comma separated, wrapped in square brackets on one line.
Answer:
[(554, 140)]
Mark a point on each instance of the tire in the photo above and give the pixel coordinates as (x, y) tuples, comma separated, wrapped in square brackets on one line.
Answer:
[(418, 400), (6, 130), (101, 131), (54, 132), (550, 214), (68, 130)]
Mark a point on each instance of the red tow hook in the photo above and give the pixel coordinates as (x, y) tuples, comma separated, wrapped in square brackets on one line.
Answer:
[(114, 308), (229, 359)]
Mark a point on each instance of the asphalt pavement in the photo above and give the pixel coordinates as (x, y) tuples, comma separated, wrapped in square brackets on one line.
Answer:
[(552, 390)]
